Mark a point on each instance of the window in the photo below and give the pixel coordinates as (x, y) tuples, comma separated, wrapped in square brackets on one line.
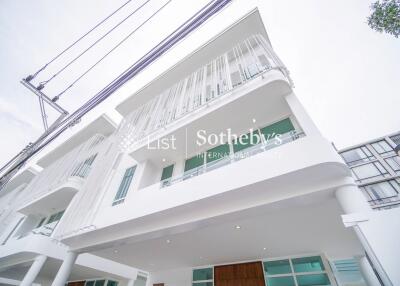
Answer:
[(383, 192), (194, 162), (394, 163), (247, 140), (112, 283), (55, 217), (369, 171), (100, 283), (203, 277), (382, 147), (124, 186), (281, 127), (166, 175), (277, 267), (218, 153), (357, 156), (304, 271), (308, 264), (396, 139), (41, 222)]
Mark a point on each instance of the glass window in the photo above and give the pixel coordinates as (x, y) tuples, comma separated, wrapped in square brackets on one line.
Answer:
[(194, 162), (55, 217), (394, 163), (89, 283), (382, 147), (313, 280), (246, 141), (41, 222), (112, 283), (357, 155), (124, 186), (369, 171), (217, 153), (382, 190), (281, 127), (202, 284), (308, 264), (281, 281), (396, 139), (167, 172), (202, 274), (99, 283), (277, 267)]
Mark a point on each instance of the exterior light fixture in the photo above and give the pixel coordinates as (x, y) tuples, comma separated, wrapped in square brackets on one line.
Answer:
[(237, 227), (168, 241), (254, 120)]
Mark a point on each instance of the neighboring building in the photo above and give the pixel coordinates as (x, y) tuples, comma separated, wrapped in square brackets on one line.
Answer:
[(376, 168), (270, 208)]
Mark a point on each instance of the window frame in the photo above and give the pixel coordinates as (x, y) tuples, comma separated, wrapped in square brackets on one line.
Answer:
[(124, 186)]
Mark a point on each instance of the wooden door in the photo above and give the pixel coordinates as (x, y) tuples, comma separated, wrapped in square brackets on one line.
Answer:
[(244, 274)]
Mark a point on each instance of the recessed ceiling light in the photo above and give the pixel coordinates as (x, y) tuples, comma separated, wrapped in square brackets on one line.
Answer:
[(163, 159), (237, 227), (115, 250), (168, 241), (254, 120), (264, 248)]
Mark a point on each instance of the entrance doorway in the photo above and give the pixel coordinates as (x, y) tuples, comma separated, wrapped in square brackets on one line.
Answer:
[(243, 274)]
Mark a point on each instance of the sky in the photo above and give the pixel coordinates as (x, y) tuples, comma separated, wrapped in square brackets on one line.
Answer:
[(345, 74)]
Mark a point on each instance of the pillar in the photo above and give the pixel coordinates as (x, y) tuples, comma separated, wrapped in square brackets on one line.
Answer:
[(65, 269), (34, 270), (353, 201), (131, 282), (367, 272)]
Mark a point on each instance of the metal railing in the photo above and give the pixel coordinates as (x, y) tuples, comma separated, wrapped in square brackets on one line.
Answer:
[(248, 152), (244, 62)]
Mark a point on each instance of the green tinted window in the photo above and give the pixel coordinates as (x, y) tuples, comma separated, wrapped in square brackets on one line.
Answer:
[(246, 141), (277, 267), (194, 162), (202, 274), (281, 281), (308, 264), (112, 283), (55, 217), (167, 172), (202, 284), (312, 280), (280, 127), (218, 152), (89, 283), (100, 283)]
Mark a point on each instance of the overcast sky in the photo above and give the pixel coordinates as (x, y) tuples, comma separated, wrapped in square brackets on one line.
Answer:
[(345, 74)]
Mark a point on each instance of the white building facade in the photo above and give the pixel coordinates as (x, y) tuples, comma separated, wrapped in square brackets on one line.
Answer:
[(215, 176)]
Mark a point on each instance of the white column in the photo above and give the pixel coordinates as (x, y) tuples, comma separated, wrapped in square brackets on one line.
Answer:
[(367, 272), (34, 270), (301, 115), (65, 269), (131, 282), (352, 200)]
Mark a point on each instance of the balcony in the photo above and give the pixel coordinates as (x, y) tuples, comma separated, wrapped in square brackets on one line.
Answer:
[(232, 158), (55, 186), (208, 88)]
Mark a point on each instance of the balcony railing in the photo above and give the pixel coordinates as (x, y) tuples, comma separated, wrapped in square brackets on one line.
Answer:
[(248, 152), (385, 202), (243, 63), (75, 164)]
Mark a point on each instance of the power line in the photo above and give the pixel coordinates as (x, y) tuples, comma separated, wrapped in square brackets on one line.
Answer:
[(77, 41), (172, 39), (43, 83), (110, 51)]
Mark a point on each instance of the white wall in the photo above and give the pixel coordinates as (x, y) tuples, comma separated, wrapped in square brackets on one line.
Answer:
[(175, 277)]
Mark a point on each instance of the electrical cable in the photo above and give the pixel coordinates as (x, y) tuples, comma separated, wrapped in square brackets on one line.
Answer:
[(78, 40), (110, 51), (172, 39), (43, 83)]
